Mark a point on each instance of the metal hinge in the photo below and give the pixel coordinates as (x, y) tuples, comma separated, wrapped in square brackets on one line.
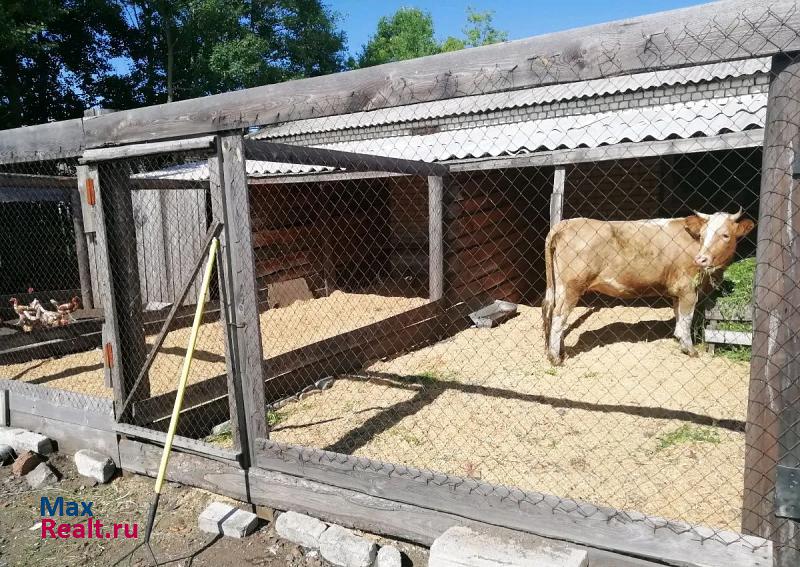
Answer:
[(796, 168), (787, 492)]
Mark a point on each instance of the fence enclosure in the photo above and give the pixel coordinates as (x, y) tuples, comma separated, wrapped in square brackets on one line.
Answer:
[(363, 224)]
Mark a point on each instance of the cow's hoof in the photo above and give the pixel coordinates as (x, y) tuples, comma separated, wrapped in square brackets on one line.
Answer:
[(555, 361), (689, 351)]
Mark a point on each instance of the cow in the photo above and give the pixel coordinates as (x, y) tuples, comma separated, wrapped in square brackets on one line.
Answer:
[(676, 258)]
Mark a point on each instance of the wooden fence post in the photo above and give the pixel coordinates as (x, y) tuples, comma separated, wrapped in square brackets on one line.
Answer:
[(435, 238), (81, 248), (557, 198), (773, 430), (241, 293), (124, 346)]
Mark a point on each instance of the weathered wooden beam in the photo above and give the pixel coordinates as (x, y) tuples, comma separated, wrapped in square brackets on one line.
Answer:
[(241, 293), (305, 155), (123, 343), (628, 150), (435, 238), (773, 417), (81, 249), (690, 36), (203, 143), (348, 508), (179, 442), (541, 514), (557, 197)]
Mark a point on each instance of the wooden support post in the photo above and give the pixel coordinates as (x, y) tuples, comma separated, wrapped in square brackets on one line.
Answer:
[(123, 330), (435, 238), (242, 295), (227, 316), (81, 249), (773, 429), (557, 198)]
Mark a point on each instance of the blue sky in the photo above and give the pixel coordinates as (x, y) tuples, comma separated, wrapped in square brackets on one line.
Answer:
[(520, 18)]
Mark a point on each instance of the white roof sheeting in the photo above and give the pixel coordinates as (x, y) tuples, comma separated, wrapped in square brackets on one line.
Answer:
[(707, 117), (520, 98)]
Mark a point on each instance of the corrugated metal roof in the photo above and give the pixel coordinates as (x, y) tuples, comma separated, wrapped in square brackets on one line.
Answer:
[(520, 98), (707, 117)]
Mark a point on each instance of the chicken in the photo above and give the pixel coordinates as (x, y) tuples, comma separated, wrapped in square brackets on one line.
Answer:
[(19, 309), (65, 310)]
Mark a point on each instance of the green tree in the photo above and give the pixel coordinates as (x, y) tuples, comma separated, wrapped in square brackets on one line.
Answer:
[(480, 29), (52, 53), (409, 33), (405, 35)]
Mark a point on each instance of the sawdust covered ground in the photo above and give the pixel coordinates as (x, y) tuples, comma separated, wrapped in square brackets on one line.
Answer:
[(627, 421), (282, 329)]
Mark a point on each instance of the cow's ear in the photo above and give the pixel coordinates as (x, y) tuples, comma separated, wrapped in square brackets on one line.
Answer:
[(743, 227), (694, 225)]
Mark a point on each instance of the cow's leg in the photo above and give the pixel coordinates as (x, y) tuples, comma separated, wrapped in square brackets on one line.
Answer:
[(566, 298), (683, 328), (677, 333)]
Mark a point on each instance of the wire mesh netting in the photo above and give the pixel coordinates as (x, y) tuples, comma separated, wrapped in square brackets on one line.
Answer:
[(159, 232), (49, 326), (546, 289)]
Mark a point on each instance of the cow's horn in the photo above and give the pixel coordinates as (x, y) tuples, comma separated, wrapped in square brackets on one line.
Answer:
[(736, 216), (702, 215)]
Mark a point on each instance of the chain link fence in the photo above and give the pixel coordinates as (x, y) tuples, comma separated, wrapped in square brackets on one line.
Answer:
[(544, 290)]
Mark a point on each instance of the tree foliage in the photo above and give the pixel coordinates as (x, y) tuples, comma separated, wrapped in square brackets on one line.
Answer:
[(58, 57), (409, 33)]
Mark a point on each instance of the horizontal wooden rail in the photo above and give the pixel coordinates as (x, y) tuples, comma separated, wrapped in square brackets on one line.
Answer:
[(709, 33), (287, 153), (204, 143)]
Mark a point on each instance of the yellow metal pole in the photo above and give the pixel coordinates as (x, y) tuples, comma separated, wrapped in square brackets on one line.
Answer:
[(187, 364)]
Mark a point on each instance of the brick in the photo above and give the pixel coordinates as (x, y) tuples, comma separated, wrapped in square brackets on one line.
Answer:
[(25, 463), (95, 465), (300, 529), (22, 440), (344, 548), (465, 547), (388, 556), (224, 519), (42, 475)]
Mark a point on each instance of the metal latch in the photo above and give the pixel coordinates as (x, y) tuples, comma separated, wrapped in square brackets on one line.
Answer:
[(787, 492)]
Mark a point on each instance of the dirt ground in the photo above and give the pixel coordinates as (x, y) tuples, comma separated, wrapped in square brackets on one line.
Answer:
[(176, 539), (627, 421), (282, 330)]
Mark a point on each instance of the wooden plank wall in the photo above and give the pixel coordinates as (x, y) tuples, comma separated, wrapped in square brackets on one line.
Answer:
[(170, 227), (495, 233), (615, 190), (73, 421), (340, 235)]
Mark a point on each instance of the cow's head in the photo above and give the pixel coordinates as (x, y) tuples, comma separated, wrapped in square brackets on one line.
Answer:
[(717, 234)]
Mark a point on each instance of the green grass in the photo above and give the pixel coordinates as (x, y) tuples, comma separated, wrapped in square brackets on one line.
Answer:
[(688, 434), (551, 371), (734, 293), (274, 417), (734, 352), (737, 285)]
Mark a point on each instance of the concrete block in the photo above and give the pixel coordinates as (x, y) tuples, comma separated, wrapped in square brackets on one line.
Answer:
[(388, 556), (220, 518), (22, 440), (7, 454), (465, 547), (300, 529), (25, 463), (344, 548), (42, 475), (95, 465)]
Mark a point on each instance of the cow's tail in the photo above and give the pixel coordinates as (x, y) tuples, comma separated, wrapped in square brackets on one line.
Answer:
[(548, 303)]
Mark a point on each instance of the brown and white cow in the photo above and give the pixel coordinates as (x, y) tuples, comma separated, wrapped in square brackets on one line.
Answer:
[(627, 259)]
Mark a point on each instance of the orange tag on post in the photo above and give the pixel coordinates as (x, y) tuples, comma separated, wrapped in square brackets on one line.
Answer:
[(90, 197), (109, 352)]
